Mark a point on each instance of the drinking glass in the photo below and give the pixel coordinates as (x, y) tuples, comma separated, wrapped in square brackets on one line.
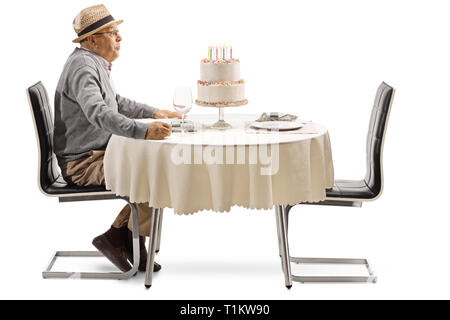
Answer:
[(182, 102)]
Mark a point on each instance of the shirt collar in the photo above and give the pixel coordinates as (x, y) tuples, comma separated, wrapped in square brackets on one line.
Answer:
[(106, 64)]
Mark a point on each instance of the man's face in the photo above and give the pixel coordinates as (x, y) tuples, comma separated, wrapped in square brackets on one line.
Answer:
[(106, 43)]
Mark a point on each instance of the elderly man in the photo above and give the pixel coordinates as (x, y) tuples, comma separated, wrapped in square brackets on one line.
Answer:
[(88, 111)]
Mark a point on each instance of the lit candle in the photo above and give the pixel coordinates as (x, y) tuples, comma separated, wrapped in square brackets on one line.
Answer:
[(223, 52), (231, 52), (217, 52)]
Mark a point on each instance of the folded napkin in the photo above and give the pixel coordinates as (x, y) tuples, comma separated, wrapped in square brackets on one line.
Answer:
[(189, 126), (276, 116)]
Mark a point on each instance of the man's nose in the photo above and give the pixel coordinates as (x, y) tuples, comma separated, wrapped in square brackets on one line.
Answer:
[(118, 38)]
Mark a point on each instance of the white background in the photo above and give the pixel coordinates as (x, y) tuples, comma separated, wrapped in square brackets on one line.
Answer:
[(322, 60)]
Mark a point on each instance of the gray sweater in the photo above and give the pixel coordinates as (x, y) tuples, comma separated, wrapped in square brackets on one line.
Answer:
[(88, 110)]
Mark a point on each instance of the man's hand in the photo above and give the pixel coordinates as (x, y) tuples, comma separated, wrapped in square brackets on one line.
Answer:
[(158, 130), (165, 114)]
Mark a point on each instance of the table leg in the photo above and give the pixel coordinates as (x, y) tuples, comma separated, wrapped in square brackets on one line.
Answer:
[(284, 244), (277, 219), (152, 247), (158, 241)]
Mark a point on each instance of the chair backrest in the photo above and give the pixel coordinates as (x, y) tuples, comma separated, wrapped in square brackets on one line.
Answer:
[(376, 136), (43, 121)]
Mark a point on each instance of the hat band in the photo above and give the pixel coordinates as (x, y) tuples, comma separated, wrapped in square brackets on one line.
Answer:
[(96, 25)]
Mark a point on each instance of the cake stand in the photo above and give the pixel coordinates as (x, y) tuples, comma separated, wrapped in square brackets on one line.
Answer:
[(221, 124)]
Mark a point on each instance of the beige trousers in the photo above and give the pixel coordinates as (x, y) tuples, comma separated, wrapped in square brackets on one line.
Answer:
[(88, 171)]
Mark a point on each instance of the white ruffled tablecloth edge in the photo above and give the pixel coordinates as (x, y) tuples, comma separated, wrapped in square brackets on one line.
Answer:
[(227, 210)]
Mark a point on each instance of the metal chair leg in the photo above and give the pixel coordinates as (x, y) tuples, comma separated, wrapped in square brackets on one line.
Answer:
[(282, 213), (152, 247), (284, 245), (158, 241), (48, 273), (135, 235)]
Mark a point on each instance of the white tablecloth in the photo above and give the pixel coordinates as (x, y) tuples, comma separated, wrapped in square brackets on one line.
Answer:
[(215, 170)]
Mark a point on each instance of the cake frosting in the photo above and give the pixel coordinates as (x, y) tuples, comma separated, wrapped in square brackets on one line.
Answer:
[(220, 83), (220, 70)]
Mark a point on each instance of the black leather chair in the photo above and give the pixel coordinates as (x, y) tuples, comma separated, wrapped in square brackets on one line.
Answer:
[(346, 193), (52, 184)]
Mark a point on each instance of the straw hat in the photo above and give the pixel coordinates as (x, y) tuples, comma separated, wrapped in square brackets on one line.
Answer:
[(91, 20)]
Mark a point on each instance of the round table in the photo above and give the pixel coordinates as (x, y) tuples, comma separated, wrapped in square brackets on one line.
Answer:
[(217, 169)]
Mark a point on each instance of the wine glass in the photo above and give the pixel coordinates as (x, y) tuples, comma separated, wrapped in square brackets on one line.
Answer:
[(182, 102)]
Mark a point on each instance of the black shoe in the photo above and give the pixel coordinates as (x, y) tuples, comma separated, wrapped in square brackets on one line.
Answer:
[(142, 253), (112, 245)]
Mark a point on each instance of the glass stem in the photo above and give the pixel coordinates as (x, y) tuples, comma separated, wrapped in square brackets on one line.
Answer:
[(221, 114), (182, 124)]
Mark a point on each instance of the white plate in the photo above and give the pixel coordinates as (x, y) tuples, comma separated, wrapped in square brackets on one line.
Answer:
[(277, 125)]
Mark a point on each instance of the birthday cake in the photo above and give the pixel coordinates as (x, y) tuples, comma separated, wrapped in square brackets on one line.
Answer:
[(220, 83)]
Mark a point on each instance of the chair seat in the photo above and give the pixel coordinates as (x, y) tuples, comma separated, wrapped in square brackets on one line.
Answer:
[(352, 189), (61, 187)]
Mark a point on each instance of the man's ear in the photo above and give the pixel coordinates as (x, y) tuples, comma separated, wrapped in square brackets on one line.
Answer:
[(91, 40)]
